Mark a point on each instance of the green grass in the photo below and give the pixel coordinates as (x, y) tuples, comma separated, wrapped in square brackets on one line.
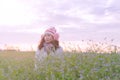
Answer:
[(69, 66)]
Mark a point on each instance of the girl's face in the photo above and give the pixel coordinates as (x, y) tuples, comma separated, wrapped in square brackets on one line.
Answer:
[(48, 38)]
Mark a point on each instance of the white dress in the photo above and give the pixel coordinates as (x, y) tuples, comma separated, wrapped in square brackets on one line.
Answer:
[(40, 55)]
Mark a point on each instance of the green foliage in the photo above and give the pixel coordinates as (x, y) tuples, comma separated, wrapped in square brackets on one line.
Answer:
[(69, 66)]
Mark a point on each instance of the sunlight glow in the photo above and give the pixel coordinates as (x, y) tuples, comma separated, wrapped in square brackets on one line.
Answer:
[(13, 12)]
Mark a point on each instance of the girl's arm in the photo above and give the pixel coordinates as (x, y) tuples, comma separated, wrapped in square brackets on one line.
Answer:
[(37, 54), (40, 54)]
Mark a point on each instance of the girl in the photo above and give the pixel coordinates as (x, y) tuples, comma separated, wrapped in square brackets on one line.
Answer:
[(49, 45)]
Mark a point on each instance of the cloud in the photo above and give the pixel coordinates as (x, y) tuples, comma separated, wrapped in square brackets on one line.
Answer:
[(34, 31), (86, 18), (77, 12), (22, 38), (64, 12)]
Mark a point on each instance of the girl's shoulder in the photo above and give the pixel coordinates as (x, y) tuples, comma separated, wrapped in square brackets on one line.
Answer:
[(39, 51)]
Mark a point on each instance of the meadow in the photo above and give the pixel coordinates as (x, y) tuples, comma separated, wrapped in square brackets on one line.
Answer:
[(15, 65)]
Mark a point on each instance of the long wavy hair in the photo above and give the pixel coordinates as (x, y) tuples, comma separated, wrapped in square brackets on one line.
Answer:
[(55, 43)]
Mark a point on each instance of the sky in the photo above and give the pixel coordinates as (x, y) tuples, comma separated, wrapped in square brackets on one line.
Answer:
[(23, 21)]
